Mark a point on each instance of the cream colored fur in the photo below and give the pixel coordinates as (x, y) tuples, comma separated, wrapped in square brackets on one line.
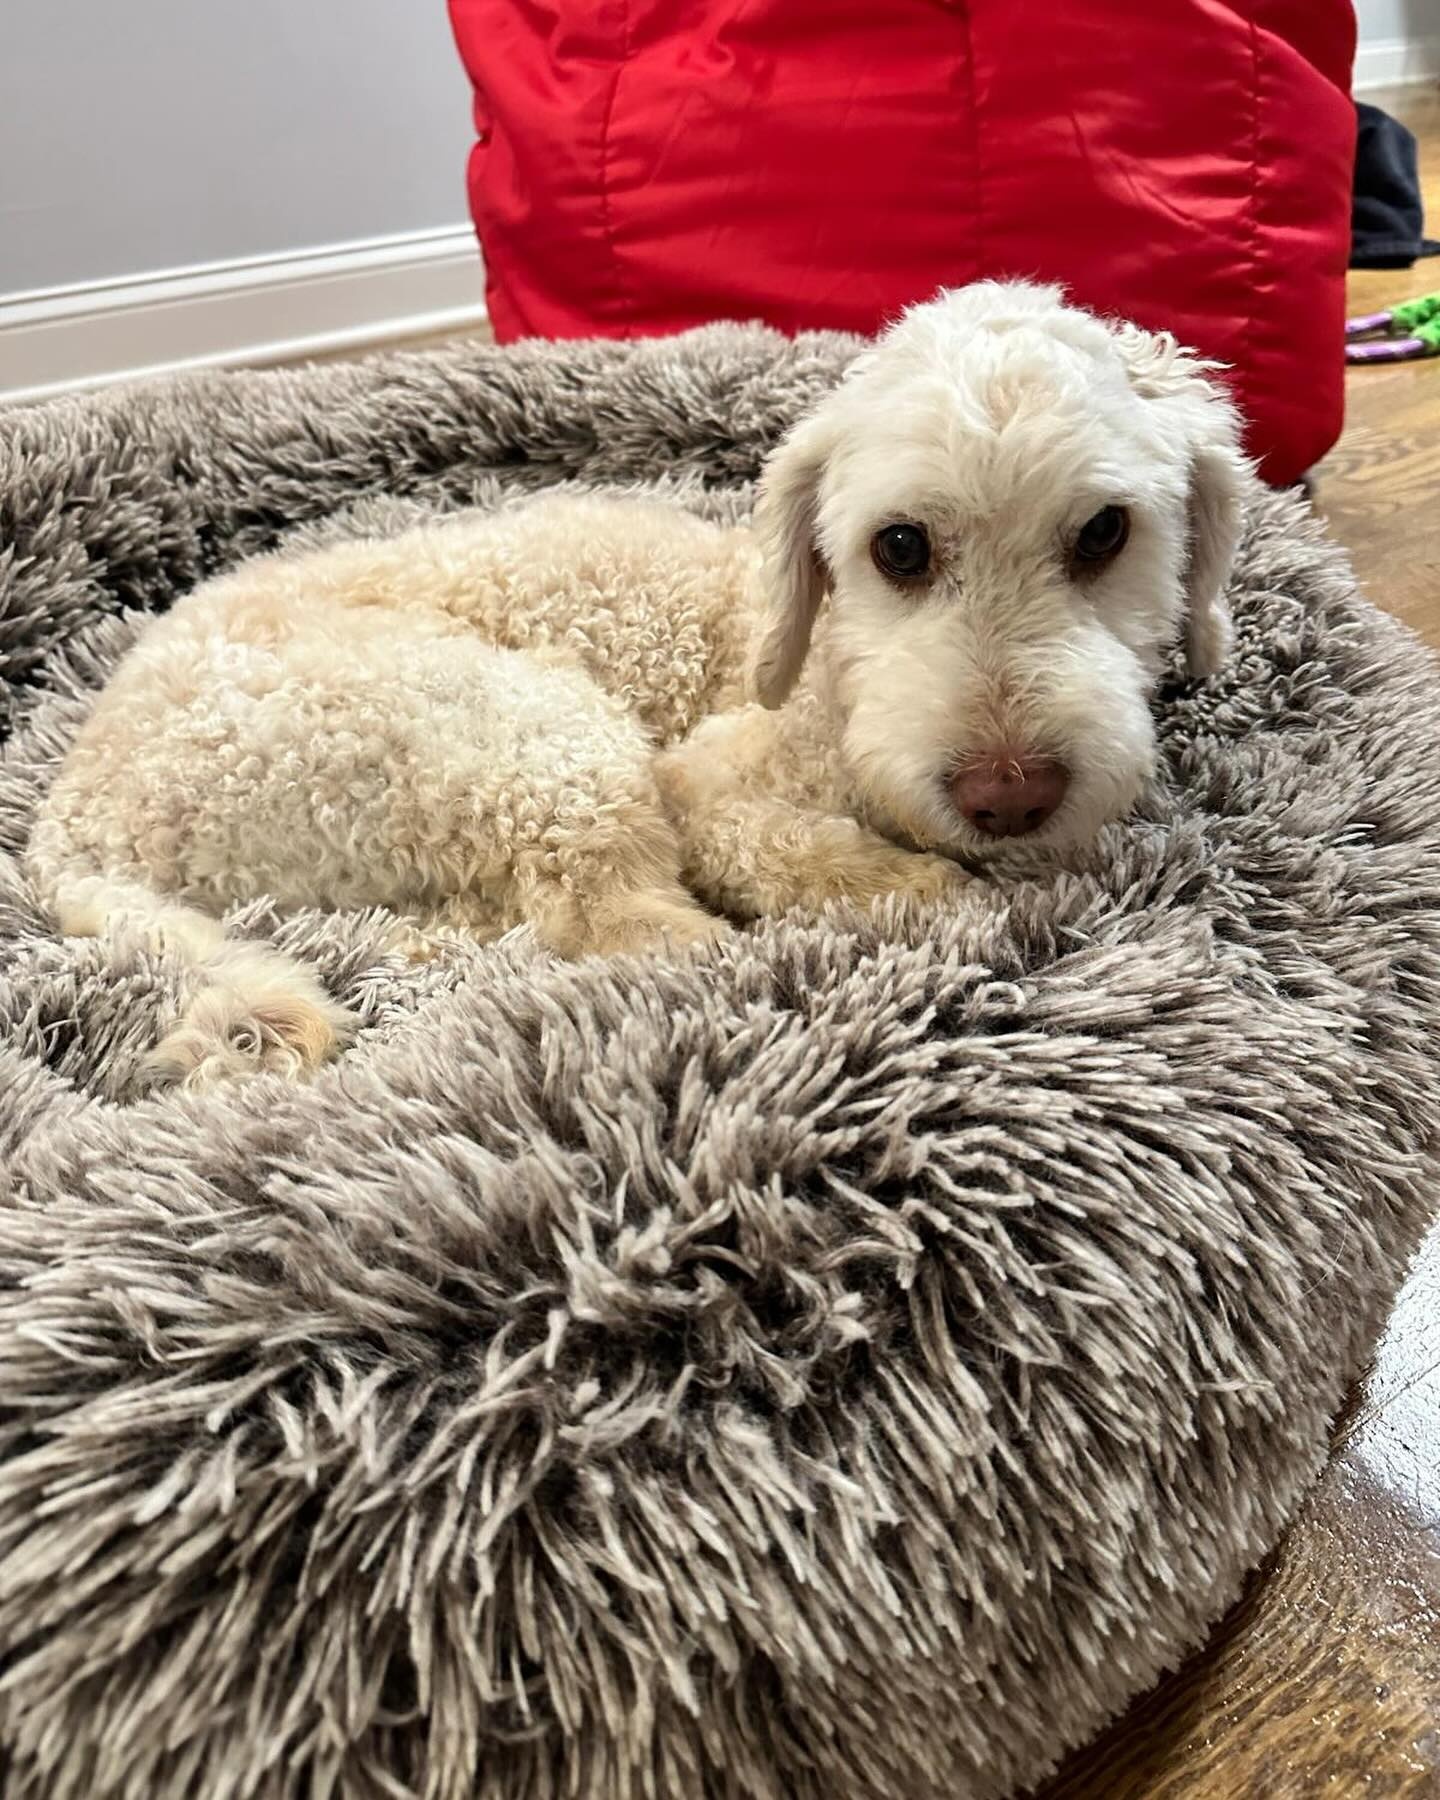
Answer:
[(545, 715)]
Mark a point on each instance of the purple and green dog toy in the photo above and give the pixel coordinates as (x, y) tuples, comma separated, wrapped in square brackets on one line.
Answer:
[(1409, 330)]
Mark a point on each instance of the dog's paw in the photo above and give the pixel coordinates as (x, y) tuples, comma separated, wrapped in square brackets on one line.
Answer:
[(418, 943), (259, 1013), (216, 1042), (930, 878), (884, 873), (697, 933), (654, 925)]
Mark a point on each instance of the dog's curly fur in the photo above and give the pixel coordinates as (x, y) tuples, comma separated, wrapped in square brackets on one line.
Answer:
[(462, 723)]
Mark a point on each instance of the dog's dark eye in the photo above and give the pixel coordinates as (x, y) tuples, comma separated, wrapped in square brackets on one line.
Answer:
[(1103, 536), (901, 551)]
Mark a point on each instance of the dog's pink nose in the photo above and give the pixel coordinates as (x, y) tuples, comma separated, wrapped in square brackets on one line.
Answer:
[(1006, 796)]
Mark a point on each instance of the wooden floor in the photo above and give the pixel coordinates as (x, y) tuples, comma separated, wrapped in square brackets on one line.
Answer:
[(1380, 489), (1326, 1679)]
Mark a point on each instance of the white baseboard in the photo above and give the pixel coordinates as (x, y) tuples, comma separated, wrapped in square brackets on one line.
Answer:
[(225, 315), (1396, 62)]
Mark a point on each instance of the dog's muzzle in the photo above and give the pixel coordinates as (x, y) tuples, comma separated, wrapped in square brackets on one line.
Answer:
[(1009, 796)]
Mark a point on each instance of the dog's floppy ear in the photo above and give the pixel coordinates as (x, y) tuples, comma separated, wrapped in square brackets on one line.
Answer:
[(1208, 432), (793, 576), (1217, 490)]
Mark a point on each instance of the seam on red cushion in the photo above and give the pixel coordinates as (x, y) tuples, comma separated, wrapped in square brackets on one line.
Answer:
[(977, 209), (1243, 382), (607, 222), (1267, 347)]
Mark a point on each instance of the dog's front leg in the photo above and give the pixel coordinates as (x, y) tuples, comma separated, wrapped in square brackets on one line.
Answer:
[(751, 851)]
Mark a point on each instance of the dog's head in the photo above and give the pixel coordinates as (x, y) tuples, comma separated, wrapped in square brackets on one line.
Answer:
[(1015, 510)]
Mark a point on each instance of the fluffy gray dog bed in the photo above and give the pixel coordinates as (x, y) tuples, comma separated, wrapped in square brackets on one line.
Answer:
[(847, 1368)]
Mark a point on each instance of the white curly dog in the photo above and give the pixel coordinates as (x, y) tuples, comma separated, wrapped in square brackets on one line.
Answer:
[(605, 717)]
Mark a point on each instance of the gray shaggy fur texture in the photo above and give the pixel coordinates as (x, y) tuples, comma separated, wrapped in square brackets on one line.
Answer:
[(845, 1368)]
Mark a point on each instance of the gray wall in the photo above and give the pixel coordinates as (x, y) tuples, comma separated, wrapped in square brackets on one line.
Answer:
[(1381, 21), (153, 134)]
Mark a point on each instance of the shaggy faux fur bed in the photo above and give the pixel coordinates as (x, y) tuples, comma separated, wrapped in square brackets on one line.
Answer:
[(845, 1368)]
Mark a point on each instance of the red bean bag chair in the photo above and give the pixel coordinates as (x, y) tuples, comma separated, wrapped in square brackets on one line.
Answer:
[(646, 166)]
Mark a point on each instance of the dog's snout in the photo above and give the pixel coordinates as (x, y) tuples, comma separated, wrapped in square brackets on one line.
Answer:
[(1007, 796)]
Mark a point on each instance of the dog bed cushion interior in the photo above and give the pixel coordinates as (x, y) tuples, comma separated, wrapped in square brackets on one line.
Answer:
[(847, 1366)]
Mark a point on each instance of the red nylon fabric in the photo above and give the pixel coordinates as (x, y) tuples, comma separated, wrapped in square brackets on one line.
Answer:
[(642, 166)]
